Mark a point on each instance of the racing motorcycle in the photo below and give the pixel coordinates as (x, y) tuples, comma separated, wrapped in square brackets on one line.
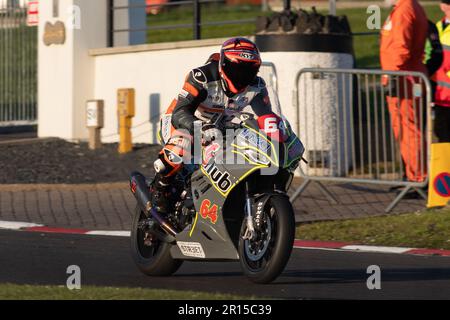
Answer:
[(223, 210)]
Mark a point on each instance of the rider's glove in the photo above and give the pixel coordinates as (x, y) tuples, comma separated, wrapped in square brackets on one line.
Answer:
[(210, 133)]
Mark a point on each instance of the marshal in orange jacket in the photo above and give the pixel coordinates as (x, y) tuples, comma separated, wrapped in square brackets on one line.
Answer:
[(403, 38)]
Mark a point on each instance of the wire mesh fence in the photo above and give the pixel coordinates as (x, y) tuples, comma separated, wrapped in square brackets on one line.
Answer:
[(18, 67)]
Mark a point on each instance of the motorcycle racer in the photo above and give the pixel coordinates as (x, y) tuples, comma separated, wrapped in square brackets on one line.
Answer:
[(228, 80)]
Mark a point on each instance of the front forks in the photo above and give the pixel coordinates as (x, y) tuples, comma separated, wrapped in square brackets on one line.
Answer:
[(250, 229)]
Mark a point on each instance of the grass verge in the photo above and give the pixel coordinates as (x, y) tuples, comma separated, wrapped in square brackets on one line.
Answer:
[(426, 229), (38, 292)]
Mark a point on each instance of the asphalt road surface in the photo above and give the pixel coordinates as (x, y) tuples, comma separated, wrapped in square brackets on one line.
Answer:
[(35, 258)]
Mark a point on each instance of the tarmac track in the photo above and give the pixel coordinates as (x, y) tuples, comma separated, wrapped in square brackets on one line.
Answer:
[(35, 258)]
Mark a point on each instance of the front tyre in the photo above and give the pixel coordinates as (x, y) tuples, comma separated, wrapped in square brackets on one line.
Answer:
[(264, 257), (151, 255)]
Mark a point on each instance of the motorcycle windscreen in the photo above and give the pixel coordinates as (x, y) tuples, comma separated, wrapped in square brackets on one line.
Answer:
[(294, 146), (274, 100)]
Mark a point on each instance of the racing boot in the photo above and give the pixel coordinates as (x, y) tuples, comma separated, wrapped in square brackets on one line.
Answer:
[(160, 190)]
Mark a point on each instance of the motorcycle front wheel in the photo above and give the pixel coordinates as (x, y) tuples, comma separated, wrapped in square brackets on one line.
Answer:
[(151, 255), (264, 257)]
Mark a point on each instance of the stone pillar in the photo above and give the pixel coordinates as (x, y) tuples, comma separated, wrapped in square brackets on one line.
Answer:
[(66, 71)]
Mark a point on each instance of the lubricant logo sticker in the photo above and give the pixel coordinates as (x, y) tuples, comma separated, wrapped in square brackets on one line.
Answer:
[(208, 212), (442, 184), (191, 249), (220, 179)]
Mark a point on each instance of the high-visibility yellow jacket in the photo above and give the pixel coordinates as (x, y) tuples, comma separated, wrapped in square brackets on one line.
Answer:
[(442, 77)]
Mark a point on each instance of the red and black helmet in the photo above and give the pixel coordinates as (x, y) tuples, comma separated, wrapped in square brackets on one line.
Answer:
[(239, 63)]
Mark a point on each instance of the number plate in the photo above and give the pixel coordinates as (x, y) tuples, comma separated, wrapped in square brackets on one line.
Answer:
[(191, 249)]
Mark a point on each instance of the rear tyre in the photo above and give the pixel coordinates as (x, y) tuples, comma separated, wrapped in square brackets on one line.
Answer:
[(263, 259), (151, 255)]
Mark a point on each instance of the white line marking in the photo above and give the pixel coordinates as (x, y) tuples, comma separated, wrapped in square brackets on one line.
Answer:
[(12, 225), (376, 249), (109, 233)]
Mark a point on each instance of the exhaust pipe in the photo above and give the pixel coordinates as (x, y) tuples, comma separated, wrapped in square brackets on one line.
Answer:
[(139, 188)]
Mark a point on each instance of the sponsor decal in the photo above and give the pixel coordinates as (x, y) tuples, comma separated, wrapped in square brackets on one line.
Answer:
[(270, 124), (250, 137), (259, 213), (166, 123), (208, 211), (199, 76), (247, 55), (172, 157), (191, 249), (220, 179)]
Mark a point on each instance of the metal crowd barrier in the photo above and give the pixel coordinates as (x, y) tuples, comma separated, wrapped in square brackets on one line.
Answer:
[(268, 72), (352, 123)]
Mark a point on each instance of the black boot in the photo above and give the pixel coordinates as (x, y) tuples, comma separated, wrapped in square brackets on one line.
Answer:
[(161, 193)]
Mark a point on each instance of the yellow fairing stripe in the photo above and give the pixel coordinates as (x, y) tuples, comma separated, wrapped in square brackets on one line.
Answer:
[(193, 226)]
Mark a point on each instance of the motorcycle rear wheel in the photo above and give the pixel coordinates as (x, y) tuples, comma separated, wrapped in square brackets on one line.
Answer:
[(264, 260), (154, 259)]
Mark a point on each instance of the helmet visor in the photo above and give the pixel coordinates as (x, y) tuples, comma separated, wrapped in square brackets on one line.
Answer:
[(240, 73)]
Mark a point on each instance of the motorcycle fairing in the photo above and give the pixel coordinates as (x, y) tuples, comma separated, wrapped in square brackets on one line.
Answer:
[(211, 185), (212, 236)]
